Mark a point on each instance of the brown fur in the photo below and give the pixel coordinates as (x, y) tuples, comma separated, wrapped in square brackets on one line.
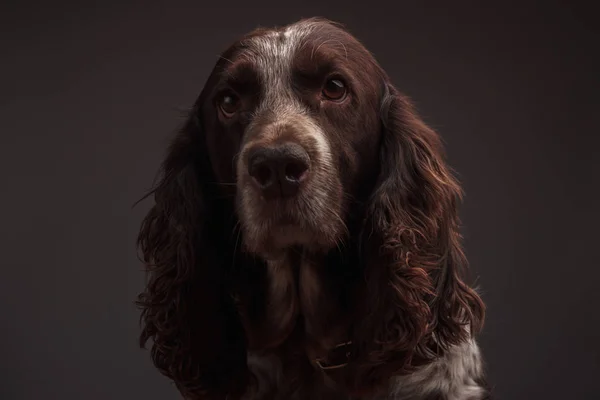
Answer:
[(387, 275)]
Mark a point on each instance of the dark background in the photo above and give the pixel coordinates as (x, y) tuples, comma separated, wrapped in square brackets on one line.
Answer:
[(90, 94)]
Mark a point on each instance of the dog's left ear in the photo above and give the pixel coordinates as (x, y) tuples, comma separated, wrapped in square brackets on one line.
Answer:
[(416, 303)]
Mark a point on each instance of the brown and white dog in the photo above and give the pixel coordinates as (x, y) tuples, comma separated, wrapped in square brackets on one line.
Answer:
[(304, 242)]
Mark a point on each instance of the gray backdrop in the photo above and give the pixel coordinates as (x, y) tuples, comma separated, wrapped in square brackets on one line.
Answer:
[(90, 94)]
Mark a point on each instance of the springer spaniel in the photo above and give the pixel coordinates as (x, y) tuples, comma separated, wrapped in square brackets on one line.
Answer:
[(304, 242)]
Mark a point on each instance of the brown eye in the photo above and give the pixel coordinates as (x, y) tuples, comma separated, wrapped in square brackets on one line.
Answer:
[(229, 104), (334, 89)]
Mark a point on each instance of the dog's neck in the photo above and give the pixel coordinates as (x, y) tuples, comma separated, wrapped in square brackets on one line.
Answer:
[(307, 303), (319, 290)]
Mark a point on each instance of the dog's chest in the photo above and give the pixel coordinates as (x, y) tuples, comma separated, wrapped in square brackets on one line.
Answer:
[(456, 376)]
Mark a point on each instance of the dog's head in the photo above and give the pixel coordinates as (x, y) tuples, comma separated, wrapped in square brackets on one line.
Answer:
[(300, 139), (292, 119)]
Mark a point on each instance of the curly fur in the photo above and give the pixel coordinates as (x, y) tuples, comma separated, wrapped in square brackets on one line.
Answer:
[(395, 278)]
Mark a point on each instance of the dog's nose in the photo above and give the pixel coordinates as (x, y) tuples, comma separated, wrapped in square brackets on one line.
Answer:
[(278, 170)]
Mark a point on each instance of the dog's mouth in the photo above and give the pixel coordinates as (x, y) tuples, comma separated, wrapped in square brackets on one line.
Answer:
[(274, 226)]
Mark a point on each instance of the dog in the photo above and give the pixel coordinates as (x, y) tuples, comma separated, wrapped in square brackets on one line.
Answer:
[(304, 241)]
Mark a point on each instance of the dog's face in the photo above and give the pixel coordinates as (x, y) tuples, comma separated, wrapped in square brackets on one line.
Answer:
[(292, 121)]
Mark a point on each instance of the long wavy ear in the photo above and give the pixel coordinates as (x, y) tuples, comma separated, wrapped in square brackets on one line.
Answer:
[(416, 303), (187, 310)]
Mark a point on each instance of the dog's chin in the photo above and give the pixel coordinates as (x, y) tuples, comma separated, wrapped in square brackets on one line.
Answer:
[(275, 238), (309, 222)]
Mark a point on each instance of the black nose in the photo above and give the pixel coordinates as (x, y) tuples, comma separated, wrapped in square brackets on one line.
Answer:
[(278, 170)]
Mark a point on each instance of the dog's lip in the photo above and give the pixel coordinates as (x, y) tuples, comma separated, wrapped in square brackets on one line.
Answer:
[(284, 205)]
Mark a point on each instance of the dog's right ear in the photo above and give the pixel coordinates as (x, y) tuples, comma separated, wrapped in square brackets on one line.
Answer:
[(187, 309)]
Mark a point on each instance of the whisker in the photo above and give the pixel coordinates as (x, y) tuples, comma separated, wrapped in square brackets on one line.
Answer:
[(226, 59), (345, 49)]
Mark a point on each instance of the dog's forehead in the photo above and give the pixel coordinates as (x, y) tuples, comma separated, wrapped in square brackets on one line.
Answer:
[(273, 50), (272, 54)]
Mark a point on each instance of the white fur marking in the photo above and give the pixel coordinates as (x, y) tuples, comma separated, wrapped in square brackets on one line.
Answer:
[(453, 375)]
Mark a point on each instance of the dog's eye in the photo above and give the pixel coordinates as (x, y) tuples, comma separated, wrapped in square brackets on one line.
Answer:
[(334, 89), (229, 104)]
